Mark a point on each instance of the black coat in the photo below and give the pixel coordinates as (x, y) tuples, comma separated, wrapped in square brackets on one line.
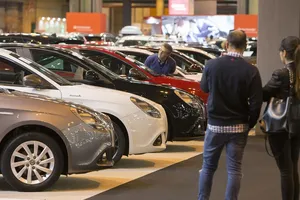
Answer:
[(279, 84)]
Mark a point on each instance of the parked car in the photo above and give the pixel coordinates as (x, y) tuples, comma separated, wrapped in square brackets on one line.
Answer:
[(140, 124), (188, 68), (185, 112), (33, 38), (144, 73), (42, 138), (102, 39), (139, 71), (143, 40)]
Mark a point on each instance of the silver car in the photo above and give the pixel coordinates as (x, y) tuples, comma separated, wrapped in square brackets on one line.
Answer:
[(42, 138)]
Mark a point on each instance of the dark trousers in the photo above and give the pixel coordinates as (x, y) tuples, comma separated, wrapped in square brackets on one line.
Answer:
[(286, 152)]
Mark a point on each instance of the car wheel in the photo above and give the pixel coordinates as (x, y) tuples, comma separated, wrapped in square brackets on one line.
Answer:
[(120, 144), (31, 162)]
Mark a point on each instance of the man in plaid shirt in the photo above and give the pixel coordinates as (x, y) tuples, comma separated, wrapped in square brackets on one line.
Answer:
[(234, 103)]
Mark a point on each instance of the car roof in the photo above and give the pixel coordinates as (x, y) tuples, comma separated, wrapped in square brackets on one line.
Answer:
[(48, 47), (131, 49)]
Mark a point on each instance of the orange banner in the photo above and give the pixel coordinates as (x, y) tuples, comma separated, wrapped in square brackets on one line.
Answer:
[(93, 23), (247, 23)]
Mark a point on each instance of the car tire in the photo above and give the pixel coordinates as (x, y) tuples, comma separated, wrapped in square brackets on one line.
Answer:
[(120, 143), (40, 180)]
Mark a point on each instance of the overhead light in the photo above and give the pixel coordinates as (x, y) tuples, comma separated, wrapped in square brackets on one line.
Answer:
[(43, 18), (48, 18)]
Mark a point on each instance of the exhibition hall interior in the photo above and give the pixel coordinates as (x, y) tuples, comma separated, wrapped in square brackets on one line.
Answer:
[(105, 99)]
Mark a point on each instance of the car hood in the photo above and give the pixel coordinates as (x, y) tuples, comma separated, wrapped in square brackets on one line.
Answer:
[(95, 93), (34, 103), (147, 83), (175, 81)]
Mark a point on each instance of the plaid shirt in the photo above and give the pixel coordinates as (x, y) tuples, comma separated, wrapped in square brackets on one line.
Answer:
[(237, 128)]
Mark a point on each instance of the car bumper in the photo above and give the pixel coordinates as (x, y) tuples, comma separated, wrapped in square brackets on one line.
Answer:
[(185, 121), (146, 134), (89, 148)]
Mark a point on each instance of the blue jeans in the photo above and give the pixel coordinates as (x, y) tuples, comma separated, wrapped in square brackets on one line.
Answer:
[(213, 145)]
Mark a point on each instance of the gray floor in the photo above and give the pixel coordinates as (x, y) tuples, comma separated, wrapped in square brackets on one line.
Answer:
[(180, 181)]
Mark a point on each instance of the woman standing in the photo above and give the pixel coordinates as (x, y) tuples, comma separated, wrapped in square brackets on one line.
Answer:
[(284, 148)]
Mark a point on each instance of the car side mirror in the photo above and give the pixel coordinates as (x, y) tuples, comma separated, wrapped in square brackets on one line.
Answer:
[(35, 81), (134, 74), (91, 75)]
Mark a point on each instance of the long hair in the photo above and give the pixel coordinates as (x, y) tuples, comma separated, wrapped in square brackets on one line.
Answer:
[(297, 64), (291, 45)]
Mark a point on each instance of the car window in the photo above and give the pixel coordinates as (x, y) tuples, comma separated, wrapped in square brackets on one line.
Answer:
[(180, 62), (197, 56), (12, 49), (111, 63), (57, 63), (63, 66), (14, 74), (137, 56)]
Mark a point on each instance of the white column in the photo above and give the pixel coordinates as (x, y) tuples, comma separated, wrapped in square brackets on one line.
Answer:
[(97, 6), (74, 5), (253, 7), (241, 7)]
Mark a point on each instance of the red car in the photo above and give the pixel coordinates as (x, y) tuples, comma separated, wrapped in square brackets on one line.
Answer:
[(125, 66)]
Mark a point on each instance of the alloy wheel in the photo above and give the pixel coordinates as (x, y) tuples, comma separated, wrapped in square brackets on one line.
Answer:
[(32, 162)]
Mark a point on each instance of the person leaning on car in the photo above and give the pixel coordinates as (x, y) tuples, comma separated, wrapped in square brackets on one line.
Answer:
[(234, 103), (161, 62)]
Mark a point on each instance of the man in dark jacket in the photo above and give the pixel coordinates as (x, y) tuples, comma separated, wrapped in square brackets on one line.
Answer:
[(234, 103)]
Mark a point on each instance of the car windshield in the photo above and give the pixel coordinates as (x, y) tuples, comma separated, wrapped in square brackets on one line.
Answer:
[(56, 78), (92, 61), (142, 66)]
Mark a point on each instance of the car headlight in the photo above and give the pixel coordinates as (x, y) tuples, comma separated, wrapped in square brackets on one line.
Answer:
[(193, 102), (96, 120), (146, 107), (188, 99)]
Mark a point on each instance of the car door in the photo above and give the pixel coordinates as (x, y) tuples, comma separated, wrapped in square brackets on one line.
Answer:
[(15, 70)]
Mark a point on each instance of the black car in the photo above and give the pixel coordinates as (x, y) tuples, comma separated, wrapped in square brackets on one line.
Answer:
[(186, 113)]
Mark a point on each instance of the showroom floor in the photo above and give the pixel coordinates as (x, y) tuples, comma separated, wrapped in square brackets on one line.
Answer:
[(169, 175), (87, 185)]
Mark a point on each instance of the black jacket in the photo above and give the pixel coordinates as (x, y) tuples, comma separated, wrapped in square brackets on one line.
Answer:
[(235, 91), (279, 84)]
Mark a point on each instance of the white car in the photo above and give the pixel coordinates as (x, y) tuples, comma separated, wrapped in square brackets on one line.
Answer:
[(142, 54), (140, 124)]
